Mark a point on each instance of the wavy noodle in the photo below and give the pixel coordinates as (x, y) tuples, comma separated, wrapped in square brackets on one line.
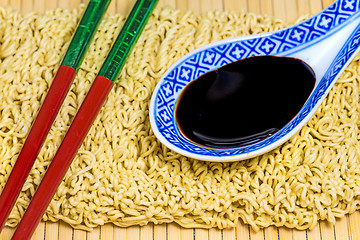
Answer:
[(124, 175)]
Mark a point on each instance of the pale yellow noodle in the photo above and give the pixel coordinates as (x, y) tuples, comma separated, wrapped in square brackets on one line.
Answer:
[(124, 175)]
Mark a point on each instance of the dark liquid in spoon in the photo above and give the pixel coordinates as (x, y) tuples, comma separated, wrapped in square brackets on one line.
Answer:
[(244, 102)]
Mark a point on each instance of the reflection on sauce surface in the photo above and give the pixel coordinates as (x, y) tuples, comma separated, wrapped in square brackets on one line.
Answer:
[(245, 101)]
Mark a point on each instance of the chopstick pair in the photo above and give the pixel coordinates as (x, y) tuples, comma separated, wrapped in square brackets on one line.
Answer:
[(59, 88), (82, 122)]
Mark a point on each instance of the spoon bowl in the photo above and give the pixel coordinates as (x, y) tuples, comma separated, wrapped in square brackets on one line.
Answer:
[(327, 42)]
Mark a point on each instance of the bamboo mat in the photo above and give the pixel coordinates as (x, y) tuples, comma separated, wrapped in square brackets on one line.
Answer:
[(344, 229)]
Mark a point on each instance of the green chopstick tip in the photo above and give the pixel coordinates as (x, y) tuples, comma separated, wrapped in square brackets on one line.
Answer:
[(127, 38)]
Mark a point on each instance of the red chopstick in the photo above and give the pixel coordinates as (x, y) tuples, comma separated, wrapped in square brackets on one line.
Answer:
[(35, 140)]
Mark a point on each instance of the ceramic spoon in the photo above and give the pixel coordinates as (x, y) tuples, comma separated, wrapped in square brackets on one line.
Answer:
[(327, 42)]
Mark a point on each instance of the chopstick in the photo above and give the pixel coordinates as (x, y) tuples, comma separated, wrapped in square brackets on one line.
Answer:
[(85, 116), (59, 88)]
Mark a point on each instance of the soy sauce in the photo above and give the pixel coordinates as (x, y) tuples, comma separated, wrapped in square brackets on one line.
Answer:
[(245, 101)]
